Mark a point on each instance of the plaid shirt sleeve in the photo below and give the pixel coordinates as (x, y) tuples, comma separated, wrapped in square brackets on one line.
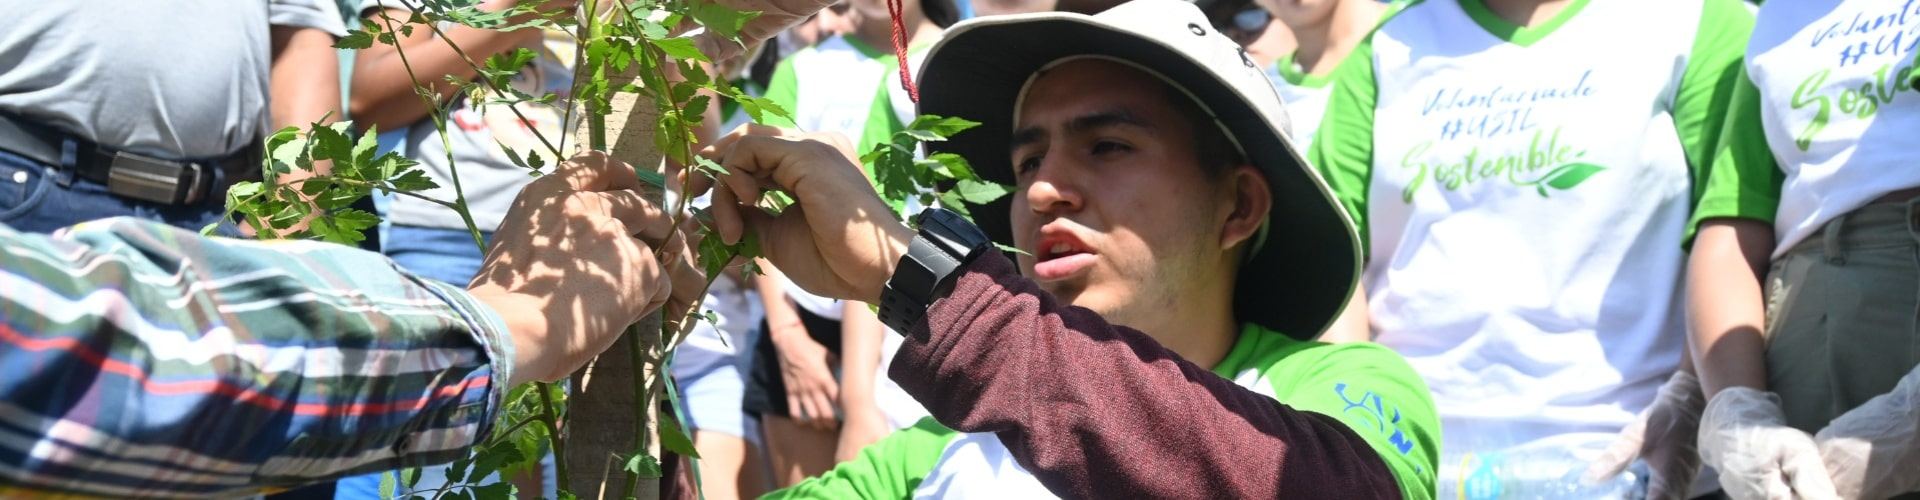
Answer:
[(138, 359)]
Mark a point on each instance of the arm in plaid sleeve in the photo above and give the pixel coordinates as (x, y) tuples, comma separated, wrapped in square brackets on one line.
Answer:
[(142, 360)]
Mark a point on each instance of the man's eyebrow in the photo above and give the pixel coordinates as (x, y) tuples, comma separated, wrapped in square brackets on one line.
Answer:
[(1100, 119)]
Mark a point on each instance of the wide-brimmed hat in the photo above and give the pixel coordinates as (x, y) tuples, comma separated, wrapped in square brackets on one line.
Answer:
[(1305, 260)]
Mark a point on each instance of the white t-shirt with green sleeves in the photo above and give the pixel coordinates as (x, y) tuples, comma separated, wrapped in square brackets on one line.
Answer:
[(1524, 192), (1364, 385), (1305, 96), (1838, 109)]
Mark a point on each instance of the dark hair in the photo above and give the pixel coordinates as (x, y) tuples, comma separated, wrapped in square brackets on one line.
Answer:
[(943, 13)]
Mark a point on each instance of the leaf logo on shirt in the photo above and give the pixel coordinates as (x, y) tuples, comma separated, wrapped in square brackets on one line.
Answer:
[(1564, 177)]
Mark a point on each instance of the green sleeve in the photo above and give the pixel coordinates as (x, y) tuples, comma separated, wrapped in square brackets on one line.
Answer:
[(891, 468), (1377, 394), (1706, 95), (1343, 148), (783, 89), (1742, 181), (882, 122)]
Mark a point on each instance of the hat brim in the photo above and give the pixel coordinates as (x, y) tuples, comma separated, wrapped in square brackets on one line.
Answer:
[(1298, 280)]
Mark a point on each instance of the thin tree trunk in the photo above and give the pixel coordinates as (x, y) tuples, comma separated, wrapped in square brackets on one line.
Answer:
[(609, 417)]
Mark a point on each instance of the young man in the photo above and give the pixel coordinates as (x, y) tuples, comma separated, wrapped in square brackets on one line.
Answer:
[(1157, 190)]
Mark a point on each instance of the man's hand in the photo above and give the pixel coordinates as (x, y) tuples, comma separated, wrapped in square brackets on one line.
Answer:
[(1666, 436), (813, 396), (572, 265), (837, 240), (1745, 437), (775, 16), (1873, 450)]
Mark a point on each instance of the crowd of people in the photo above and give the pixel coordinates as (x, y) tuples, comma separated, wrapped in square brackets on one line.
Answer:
[(1303, 248)]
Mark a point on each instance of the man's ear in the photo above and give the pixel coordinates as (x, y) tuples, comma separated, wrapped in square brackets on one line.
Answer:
[(1252, 200)]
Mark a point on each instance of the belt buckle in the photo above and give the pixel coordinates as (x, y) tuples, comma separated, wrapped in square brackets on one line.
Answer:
[(153, 179)]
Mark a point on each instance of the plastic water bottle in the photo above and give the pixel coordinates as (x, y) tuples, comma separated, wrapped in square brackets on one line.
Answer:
[(1539, 473)]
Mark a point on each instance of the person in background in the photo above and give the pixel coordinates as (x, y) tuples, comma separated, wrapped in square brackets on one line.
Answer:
[(142, 360), (1523, 174), (1802, 281), (985, 8), (1324, 33), (792, 385), (109, 109), (1265, 40)]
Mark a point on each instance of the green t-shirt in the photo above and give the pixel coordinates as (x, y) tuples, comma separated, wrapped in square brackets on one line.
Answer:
[(1364, 385)]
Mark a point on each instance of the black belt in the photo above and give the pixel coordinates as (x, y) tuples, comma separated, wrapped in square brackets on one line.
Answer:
[(126, 174)]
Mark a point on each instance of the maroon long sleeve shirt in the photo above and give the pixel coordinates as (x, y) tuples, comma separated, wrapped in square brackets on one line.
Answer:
[(1101, 411)]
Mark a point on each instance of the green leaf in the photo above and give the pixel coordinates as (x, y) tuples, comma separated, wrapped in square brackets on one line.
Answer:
[(355, 40), (980, 192), (511, 61), (953, 162), (314, 186), (951, 201), (410, 476), (679, 48), (942, 126), (413, 181), (388, 484), (355, 220), (696, 109), (758, 107), (675, 439), (1570, 175), (364, 149), (457, 471), (722, 20), (923, 135), (704, 165), (331, 144), (1005, 248), (503, 489), (643, 465)]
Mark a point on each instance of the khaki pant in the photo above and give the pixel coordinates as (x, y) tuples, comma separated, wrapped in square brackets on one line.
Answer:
[(1841, 313)]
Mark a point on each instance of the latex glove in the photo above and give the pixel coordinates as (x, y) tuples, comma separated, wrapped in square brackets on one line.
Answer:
[(1744, 434), (1665, 436), (775, 16), (1873, 451)]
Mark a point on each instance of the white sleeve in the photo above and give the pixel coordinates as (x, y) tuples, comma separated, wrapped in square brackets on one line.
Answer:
[(323, 15)]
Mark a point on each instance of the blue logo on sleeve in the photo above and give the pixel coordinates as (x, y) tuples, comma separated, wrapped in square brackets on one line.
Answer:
[(1370, 411)]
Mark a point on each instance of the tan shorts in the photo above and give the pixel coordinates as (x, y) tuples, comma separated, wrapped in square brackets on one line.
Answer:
[(1841, 313)]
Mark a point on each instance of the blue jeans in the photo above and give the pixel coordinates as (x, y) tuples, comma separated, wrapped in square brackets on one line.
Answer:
[(40, 198), (447, 255)]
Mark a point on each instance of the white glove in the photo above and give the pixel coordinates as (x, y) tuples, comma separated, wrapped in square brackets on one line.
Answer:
[(1873, 451), (1664, 436), (1744, 434), (775, 16)]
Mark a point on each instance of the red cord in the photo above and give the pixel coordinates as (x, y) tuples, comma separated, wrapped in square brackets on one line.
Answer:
[(894, 7)]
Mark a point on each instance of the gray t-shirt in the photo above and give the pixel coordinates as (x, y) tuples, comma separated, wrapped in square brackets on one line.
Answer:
[(177, 79), (475, 134)]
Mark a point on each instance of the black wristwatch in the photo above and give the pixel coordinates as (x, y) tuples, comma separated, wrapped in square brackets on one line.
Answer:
[(945, 243)]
